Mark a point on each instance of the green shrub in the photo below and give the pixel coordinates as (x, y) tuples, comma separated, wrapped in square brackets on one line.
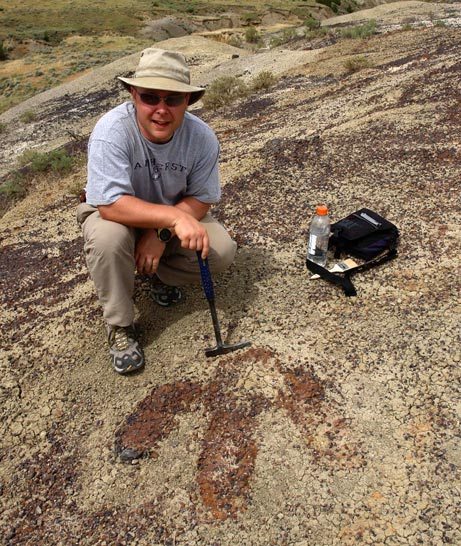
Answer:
[(252, 36), (224, 90), (263, 80), (2, 128), (227, 89), (14, 187), (311, 23), (360, 31), (275, 41), (354, 64), (289, 34), (28, 116), (60, 161), (56, 161), (316, 33)]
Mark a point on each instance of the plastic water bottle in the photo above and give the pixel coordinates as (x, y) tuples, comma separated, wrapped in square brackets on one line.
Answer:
[(319, 233)]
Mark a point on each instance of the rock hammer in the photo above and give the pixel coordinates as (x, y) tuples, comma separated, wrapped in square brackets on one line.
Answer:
[(207, 284)]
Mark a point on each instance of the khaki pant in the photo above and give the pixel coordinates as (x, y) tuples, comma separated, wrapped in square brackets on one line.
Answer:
[(109, 252)]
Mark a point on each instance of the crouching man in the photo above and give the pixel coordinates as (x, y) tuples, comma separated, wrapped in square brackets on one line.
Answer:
[(152, 177)]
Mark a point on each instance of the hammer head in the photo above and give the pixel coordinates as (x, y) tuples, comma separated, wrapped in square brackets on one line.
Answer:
[(222, 349)]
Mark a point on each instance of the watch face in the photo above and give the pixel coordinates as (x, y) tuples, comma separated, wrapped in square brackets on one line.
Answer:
[(164, 234)]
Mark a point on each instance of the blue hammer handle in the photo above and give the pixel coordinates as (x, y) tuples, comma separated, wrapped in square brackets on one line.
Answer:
[(207, 283)]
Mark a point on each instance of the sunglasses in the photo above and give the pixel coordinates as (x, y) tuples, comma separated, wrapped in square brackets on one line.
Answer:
[(153, 100)]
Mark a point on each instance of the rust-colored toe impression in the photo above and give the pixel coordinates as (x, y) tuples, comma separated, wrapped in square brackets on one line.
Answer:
[(325, 430), (229, 446), (155, 416), (227, 461)]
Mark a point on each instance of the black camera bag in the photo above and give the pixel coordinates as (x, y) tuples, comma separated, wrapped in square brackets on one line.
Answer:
[(363, 234)]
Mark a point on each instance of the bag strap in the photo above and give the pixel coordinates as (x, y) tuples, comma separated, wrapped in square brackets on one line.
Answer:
[(382, 258), (342, 279)]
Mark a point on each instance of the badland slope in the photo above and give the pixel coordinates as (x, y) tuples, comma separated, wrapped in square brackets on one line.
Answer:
[(341, 423)]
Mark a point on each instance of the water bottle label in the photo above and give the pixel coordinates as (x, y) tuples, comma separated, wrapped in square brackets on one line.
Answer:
[(312, 243)]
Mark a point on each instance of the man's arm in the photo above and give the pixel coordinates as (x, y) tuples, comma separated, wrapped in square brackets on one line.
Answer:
[(194, 207), (135, 212)]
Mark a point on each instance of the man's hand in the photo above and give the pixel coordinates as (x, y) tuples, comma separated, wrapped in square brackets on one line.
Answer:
[(192, 234), (183, 218), (149, 250)]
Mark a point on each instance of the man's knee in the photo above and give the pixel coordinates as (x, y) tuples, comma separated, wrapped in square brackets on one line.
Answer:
[(221, 258), (222, 247), (104, 237)]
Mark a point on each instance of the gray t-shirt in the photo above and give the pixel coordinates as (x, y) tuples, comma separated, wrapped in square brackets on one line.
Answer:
[(122, 162)]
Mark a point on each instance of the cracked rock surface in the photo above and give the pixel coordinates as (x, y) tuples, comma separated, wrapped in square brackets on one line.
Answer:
[(341, 424)]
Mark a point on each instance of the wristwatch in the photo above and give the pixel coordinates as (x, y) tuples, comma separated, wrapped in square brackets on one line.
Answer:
[(164, 234)]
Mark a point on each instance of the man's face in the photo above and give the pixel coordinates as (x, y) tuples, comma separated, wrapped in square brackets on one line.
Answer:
[(158, 122)]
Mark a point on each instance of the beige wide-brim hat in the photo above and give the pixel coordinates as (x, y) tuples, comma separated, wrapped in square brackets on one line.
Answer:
[(164, 71)]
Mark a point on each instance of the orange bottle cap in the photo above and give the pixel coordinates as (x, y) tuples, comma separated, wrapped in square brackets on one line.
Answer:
[(322, 210)]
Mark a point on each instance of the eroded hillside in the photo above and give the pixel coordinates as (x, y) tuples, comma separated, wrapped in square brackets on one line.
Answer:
[(341, 424)]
